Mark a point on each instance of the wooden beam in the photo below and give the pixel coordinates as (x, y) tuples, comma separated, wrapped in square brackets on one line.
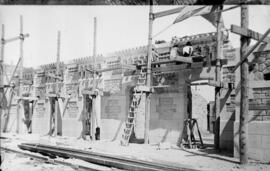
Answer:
[(129, 67), (26, 98), (247, 2), (148, 73), (167, 12), (89, 92), (243, 130), (183, 59), (249, 33), (244, 57), (19, 114), (2, 66), (51, 95), (16, 38), (218, 78), (142, 88), (57, 128)]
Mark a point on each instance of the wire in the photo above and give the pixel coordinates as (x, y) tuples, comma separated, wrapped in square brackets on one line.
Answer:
[(166, 28)]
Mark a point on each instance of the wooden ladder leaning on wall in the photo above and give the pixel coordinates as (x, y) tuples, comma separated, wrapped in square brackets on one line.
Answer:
[(137, 94)]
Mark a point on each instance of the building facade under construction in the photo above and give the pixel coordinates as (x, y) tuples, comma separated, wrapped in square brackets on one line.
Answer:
[(113, 95)]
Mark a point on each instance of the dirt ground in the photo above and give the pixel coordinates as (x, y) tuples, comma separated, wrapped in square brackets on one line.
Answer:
[(200, 159)]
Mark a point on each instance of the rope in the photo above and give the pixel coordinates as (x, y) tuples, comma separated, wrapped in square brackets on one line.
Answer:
[(163, 30), (227, 9)]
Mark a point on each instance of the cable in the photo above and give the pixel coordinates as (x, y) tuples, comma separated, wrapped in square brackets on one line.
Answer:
[(162, 30)]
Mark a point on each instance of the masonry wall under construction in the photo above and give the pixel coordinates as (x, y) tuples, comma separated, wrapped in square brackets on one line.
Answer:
[(168, 101)]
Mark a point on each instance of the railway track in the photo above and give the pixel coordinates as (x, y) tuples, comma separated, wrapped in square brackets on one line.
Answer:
[(52, 161), (100, 158)]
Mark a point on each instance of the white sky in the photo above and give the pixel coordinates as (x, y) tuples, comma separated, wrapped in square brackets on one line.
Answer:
[(118, 27)]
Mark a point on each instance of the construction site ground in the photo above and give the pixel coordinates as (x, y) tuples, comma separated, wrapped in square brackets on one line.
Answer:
[(199, 159)]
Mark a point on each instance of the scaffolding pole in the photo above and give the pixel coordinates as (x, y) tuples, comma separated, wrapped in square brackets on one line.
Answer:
[(56, 107), (19, 105), (93, 117), (243, 129), (218, 78), (2, 71), (148, 75)]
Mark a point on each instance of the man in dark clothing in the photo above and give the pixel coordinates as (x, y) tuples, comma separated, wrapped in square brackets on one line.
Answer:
[(188, 49)]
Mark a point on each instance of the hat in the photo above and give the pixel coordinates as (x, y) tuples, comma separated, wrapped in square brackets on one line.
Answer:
[(188, 43)]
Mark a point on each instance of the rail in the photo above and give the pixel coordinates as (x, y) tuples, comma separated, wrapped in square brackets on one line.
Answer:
[(101, 159)]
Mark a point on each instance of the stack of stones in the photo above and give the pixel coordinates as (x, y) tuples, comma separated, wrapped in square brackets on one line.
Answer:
[(260, 103), (261, 65)]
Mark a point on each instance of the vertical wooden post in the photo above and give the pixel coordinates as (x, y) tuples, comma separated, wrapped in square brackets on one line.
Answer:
[(218, 79), (148, 75), (56, 107), (2, 71), (19, 106), (93, 117), (243, 130), (2, 76)]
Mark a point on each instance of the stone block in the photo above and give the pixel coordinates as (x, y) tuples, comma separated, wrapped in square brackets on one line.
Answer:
[(71, 131), (267, 62), (266, 118), (266, 155), (255, 141), (255, 153), (266, 101), (266, 141), (259, 112), (266, 88), (261, 60), (111, 129), (255, 118), (258, 76), (256, 90), (260, 128), (261, 67), (256, 95), (266, 70)]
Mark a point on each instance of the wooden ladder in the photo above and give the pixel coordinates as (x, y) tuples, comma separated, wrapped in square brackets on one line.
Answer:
[(137, 94)]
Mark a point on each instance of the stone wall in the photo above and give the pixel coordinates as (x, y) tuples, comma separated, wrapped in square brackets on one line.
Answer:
[(259, 104), (199, 112)]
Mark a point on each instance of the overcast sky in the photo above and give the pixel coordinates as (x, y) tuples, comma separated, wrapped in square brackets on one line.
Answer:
[(119, 27)]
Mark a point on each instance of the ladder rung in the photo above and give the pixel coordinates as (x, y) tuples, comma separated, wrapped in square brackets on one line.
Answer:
[(133, 105), (124, 136), (127, 131), (133, 112), (130, 123)]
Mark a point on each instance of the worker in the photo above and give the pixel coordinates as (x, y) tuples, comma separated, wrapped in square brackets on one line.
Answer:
[(85, 118), (28, 114), (52, 117), (187, 50)]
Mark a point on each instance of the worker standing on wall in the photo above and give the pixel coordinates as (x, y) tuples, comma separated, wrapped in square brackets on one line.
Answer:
[(187, 50)]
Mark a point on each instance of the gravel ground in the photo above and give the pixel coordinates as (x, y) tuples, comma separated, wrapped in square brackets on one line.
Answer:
[(201, 159)]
